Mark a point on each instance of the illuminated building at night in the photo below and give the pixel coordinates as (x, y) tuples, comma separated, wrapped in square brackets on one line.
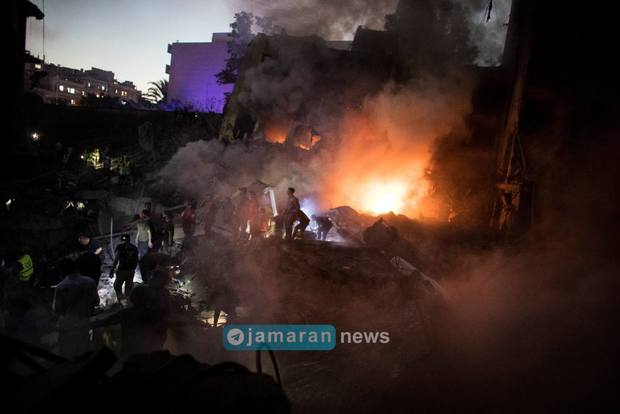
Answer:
[(192, 71), (57, 84)]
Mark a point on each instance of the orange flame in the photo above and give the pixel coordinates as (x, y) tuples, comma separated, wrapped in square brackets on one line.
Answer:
[(276, 130), (385, 148)]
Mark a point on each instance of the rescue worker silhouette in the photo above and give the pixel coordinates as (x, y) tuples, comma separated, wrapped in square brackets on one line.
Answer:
[(290, 213), (25, 265), (126, 258), (324, 225)]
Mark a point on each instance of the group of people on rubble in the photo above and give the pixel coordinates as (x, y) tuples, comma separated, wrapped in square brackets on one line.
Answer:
[(69, 294), (30, 310), (293, 214), (253, 220), (75, 293), (143, 324), (250, 220), (153, 231)]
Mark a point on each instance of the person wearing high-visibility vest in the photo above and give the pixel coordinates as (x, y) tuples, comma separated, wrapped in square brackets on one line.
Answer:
[(26, 266)]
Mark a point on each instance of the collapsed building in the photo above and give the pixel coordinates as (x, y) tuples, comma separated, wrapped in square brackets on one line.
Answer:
[(321, 75), (487, 177), (297, 90)]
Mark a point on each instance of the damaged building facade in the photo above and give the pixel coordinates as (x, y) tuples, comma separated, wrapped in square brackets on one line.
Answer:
[(483, 177), (313, 86)]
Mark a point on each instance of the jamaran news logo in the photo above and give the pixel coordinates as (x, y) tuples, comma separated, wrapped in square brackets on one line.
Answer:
[(294, 337)]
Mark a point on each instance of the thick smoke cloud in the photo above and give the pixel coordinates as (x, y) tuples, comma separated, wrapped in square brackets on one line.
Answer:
[(280, 86), (538, 316), (489, 35), (332, 20), (385, 147), (209, 168), (379, 150), (338, 20), (377, 138)]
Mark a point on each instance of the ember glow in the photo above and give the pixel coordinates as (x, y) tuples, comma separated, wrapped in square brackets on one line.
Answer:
[(383, 197), (276, 131), (381, 161)]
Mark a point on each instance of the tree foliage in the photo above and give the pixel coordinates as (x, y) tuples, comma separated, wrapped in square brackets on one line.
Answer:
[(158, 91)]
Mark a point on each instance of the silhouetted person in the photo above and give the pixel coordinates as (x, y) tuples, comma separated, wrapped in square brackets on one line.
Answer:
[(89, 244), (168, 230), (300, 228), (148, 208), (74, 300), (25, 265), (260, 226), (20, 320), (324, 225), (143, 234), (188, 221), (126, 258), (89, 262), (156, 226), (290, 213)]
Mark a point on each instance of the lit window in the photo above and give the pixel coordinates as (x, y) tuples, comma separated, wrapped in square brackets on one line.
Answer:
[(89, 84), (83, 93), (116, 91), (61, 88), (37, 66), (72, 101), (71, 90)]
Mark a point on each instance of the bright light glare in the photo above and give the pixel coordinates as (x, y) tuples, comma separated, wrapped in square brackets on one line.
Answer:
[(308, 206), (383, 197)]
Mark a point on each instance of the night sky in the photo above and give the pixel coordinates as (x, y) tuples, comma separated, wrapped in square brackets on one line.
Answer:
[(129, 38)]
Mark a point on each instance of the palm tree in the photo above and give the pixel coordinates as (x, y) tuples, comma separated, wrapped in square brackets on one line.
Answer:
[(158, 91)]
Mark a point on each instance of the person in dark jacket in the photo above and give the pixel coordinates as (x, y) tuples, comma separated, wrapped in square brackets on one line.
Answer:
[(126, 258), (89, 262), (188, 221), (291, 213), (324, 225), (300, 228), (168, 230)]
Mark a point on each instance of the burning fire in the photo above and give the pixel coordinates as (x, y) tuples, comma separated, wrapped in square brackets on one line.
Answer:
[(380, 163), (384, 149), (375, 157), (383, 197), (275, 131)]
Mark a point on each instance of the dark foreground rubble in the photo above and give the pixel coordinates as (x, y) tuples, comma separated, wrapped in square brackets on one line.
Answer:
[(353, 288)]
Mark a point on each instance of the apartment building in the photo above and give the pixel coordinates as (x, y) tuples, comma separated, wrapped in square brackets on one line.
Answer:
[(57, 84)]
